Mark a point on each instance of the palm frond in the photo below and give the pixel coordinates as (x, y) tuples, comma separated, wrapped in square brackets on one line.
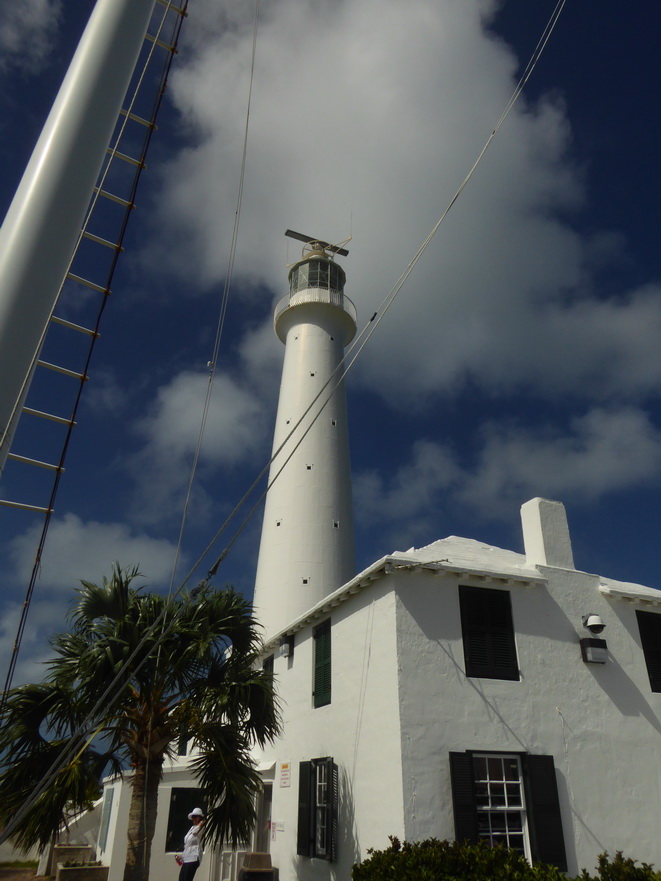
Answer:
[(227, 775)]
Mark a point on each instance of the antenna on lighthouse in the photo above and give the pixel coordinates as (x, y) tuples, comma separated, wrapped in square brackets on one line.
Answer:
[(319, 244)]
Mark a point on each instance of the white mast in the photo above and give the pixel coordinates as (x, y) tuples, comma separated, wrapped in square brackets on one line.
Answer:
[(42, 225), (307, 544)]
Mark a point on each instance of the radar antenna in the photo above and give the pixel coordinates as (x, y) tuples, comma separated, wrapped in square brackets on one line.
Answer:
[(319, 245)]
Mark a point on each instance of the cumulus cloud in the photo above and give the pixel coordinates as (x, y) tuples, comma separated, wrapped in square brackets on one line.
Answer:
[(27, 30), (379, 112), (79, 549), (236, 426), (600, 452), (412, 489)]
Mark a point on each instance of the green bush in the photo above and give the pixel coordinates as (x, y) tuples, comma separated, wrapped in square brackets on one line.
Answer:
[(621, 869), (434, 860)]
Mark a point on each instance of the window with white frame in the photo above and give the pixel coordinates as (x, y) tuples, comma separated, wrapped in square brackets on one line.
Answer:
[(509, 798), (500, 801)]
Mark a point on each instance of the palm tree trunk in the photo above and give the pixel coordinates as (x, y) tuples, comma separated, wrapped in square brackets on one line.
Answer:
[(142, 819)]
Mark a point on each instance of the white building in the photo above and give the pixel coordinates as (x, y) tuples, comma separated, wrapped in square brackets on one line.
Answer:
[(451, 690), (460, 703)]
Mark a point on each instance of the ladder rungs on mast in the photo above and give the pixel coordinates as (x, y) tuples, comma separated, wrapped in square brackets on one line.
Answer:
[(64, 370), (172, 7), (61, 419), (114, 198), (100, 241), (72, 326), (90, 284), (26, 461), (139, 119), (23, 507), (131, 161), (157, 42)]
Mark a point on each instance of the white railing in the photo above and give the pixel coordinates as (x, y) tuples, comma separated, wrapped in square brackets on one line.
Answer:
[(315, 295)]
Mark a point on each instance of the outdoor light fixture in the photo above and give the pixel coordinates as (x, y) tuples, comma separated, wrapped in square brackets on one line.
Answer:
[(593, 623), (286, 649), (593, 651)]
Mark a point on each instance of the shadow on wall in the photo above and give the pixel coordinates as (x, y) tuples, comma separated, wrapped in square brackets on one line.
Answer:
[(612, 678), (565, 798), (347, 844)]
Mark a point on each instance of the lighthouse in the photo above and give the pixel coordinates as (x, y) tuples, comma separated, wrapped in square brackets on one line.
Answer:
[(307, 543)]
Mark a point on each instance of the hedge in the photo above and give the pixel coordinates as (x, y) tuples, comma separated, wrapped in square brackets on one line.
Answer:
[(434, 860)]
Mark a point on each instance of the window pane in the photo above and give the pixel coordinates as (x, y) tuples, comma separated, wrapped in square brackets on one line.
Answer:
[(495, 769), (482, 794), (497, 791), (480, 767)]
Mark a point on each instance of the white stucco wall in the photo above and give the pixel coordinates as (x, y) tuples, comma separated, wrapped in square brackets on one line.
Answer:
[(363, 713), (601, 723)]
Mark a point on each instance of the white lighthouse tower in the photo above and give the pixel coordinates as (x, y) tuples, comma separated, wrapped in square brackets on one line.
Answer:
[(307, 544)]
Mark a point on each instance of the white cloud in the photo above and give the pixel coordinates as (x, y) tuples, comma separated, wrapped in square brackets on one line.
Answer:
[(604, 451), (87, 550), (233, 422), (379, 111), (236, 427), (601, 452), (411, 490), (27, 31)]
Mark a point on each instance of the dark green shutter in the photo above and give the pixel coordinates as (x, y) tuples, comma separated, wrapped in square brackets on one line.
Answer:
[(322, 664), (304, 837), (333, 779), (463, 797), (544, 820), (488, 633), (649, 625)]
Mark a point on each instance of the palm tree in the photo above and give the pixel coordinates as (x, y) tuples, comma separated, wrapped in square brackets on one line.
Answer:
[(188, 666)]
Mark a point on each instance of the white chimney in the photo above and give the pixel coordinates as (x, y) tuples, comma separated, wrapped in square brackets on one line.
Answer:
[(546, 534)]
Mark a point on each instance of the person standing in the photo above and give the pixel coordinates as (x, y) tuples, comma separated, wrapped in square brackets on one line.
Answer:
[(192, 853)]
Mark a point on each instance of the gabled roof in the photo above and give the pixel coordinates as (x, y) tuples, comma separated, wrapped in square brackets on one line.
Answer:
[(462, 557)]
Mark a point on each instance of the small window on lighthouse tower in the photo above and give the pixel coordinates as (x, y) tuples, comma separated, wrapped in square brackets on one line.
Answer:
[(336, 524), (309, 467), (333, 421)]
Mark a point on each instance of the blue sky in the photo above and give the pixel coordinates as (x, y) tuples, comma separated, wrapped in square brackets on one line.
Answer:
[(521, 358)]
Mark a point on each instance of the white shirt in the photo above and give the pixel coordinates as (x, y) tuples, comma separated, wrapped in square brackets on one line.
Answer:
[(192, 846)]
